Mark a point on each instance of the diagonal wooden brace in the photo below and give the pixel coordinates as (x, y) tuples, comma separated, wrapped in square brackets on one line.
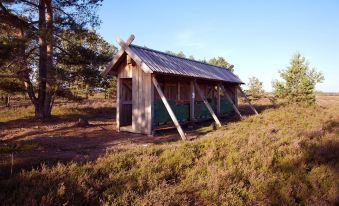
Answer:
[(230, 100), (248, 101), (202, 96), (169, 109)]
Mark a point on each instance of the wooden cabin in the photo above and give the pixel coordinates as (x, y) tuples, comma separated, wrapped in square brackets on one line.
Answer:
[(155, 88)]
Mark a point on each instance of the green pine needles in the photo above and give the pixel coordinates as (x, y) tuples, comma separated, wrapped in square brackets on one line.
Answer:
[(299, 81)]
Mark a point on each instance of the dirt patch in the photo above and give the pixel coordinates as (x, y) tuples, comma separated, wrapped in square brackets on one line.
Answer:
[(62, 139)]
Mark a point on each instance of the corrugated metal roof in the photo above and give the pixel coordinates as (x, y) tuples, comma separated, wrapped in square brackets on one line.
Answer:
[(161, 62)]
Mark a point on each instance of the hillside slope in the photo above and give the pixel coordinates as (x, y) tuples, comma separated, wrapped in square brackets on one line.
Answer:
[(284, 156)]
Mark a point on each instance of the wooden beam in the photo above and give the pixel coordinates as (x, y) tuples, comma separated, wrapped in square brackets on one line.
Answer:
[(168, 107), (202, 96), (117, 104), (150, 103), (230, 100), (118, 56), (179, 92), (218, 100), (248, 101), (136, 58), (192, 102)]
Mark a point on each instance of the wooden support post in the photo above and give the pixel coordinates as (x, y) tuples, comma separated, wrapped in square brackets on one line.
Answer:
[(248, 101), (178, 94), (168, 107), (117, 104), (218, 100), (202, 96), (192, 103), (230, 100)]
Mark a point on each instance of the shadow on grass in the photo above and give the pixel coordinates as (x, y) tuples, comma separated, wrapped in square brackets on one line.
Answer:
[(90, 113), (322, 158)]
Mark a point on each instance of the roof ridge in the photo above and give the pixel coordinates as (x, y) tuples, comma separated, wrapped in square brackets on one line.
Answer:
[(193, 60)]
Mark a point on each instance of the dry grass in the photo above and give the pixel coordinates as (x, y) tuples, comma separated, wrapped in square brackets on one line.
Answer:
[(284, 156)]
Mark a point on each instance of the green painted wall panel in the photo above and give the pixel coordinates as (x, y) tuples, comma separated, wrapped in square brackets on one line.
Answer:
[(182, 111)]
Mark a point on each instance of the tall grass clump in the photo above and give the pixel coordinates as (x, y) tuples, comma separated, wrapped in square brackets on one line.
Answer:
[(285, 156)]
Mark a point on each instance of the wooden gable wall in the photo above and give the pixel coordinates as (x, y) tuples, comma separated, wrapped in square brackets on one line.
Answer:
[(142, 96)]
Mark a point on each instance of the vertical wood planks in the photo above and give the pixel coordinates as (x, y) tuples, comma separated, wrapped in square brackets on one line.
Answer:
[(134, 98), (192, 102), (117, 105), (148, 103), (142, 101), (218, 99)]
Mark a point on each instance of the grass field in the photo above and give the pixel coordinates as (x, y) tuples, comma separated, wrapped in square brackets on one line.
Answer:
[(287, 155)]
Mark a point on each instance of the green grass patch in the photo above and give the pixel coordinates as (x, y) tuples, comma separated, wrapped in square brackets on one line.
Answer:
[(18, 147), (10, 114)]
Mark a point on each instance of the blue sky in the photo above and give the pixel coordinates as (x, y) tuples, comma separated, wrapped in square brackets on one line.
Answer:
[(258, 37)]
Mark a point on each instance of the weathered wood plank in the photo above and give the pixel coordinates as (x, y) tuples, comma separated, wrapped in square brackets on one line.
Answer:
[(143, 103), (136, 58), (218, 100), (192, 102), (202, 96), (139, 108), (119, 55), (148, 104), (230, 100), (178, 92), (248, 101), (134, 98), (168, 107), (118, 105)]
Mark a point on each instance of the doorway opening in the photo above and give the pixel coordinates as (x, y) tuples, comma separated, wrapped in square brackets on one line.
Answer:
[(126, 103)]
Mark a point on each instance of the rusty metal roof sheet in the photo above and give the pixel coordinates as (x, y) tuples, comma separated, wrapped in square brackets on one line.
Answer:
[(161, 62)]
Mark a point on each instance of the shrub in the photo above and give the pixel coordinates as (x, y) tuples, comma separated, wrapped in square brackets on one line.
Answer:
[(255, 88)]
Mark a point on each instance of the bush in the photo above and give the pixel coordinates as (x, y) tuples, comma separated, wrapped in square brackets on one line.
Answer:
[(255, 88)]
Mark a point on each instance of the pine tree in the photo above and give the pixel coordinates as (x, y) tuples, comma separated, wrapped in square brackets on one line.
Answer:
[(255, 88), (42, 50), (299, 81)]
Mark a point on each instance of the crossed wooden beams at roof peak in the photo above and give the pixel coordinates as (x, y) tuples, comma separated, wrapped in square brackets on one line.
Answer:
[(127, 43), (125, 48)]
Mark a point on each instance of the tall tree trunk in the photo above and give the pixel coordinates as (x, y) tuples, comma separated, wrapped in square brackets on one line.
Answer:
[(46, 70), (39, 107), (50, 86)]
